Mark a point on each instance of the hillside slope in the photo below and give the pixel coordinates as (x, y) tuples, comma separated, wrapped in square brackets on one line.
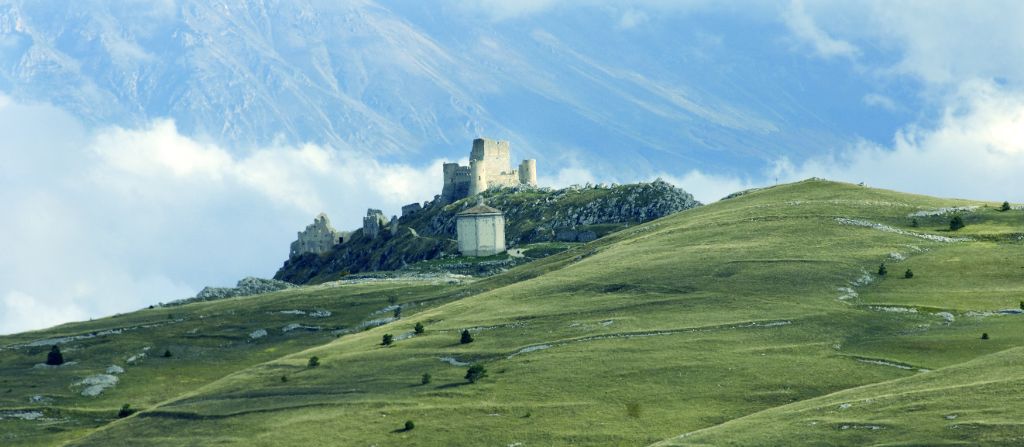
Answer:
[(762, 309)]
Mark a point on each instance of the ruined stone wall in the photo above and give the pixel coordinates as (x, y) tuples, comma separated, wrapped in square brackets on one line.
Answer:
[(373, 223), (318, 237)]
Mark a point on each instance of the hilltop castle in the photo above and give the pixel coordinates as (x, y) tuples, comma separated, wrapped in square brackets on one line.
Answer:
[(489, 166)]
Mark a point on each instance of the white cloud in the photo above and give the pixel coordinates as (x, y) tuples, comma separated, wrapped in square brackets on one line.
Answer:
[(708, 188), (881, 101), (105, 221), (631, 18), (803, 26), (976, 152)]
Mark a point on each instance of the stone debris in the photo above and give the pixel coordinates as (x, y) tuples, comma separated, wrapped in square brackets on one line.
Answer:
[(894, 309), (453, 361), (258, 333), (95, 385), (45, 366), (292, 312), (114, 369), (39, 399), (23, 415), (896, 257), (320, 313), (888, 229), (297, 326), (529, 349), (943, 211), (375, 322), (946, 316), (847, 293)]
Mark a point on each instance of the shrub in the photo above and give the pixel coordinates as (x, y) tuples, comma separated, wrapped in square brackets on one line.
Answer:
[(882, 270), (314, 361), (426, 379), (984, 335), (914, 223), (409, 425), (466, 337), (284, 379), (398, 312), (1005, 207), (387, 340), (956, 223), (909, 274), (418, 328), (167, 353), (126, 410), (476, 372), (54, 357)]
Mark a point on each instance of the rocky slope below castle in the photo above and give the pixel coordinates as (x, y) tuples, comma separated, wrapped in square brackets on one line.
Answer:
[(577, 213)]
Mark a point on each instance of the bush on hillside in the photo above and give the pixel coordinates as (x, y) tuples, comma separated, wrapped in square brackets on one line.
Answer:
[(126, 410), (956, 223), (167, 353), (914, 223), (1005, 207), (476, 372), (398, 312), (314, 361), (909, 274), (984, 335), (466, 337), (284, 379), (882, 270), (425, 379), (409, 425), (387, 340), (54, 357), (418, 328)]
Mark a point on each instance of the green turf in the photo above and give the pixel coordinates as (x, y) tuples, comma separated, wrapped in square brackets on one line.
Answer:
[(748, 322)]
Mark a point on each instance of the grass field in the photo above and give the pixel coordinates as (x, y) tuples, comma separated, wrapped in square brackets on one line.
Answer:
[(758, 320)]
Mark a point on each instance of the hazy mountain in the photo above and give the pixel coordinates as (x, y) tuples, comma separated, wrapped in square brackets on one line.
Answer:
[(422, 81)]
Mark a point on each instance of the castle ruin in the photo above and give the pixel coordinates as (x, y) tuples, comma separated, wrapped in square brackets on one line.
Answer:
[(373, 223), (489, 166), (318, 237)]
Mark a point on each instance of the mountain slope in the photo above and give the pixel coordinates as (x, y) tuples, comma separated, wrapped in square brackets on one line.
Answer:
[(682, 324)]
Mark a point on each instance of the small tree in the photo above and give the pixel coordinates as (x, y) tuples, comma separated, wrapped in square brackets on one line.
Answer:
[(314, 361), (167, 353), (387, 340), (882, 270), (476, 372), (914, 223), (398, 312), (909, 274), (284, 379), (54, 357), (984, 335), (418, 328), (409, 425), (466, 337), (425, 379), (956, 223), (126, 410), (1005, 207)]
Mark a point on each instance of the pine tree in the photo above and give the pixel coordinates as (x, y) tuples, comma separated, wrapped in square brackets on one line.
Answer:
[(956, 223), (387, 340), (466, 337), (882, 270), (425, 379), (314, 361), (54, 358), (418, 328), (476, 372), (1005, 207), (909, 274)]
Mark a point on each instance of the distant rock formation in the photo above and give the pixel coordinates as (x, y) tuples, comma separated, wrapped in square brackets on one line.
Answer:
[(246, 286)]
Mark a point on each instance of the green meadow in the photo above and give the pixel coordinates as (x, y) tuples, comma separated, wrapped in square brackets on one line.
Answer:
[(757, 320)]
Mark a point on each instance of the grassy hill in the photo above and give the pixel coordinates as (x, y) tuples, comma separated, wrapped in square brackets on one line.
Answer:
[(755, 320)]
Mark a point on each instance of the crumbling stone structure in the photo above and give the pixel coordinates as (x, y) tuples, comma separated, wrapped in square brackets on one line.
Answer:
[(318, 237), (373, 223), (481, 231), (489, 166), (411, 209)]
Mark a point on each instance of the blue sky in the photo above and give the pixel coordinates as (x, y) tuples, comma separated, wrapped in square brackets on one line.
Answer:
[(146, 158)]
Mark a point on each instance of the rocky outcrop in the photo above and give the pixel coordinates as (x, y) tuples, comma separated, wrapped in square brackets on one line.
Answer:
[(246, 286), (578, 213)]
